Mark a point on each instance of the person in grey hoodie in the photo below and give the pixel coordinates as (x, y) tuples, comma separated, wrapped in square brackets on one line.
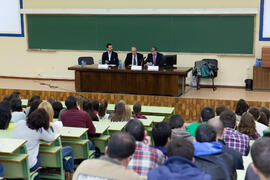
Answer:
[(178, 127)]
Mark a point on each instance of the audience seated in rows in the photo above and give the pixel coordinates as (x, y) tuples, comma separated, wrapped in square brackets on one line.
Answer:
[(232, 138), (180, 163), (209, 155), (219, 127), (17, 111), (162, 136), (247, 126), (113, 165), (137, 108), (206, 114), (256, 114), (74, 117), (145, 157), (178, 128)]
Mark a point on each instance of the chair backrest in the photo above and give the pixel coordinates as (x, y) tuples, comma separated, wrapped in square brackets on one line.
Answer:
[(87, 60), (214, 64)]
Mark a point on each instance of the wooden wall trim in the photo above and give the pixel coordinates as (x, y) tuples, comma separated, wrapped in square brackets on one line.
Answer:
[(35, 78)]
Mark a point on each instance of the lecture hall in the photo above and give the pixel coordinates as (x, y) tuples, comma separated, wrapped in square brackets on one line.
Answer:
[(98, 89)]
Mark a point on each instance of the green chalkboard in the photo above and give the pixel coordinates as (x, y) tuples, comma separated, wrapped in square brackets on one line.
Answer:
[(194, 34)]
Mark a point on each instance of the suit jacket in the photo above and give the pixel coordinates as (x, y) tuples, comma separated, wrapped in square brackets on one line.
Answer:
[(114, 58), (159, 59), (128, 60)]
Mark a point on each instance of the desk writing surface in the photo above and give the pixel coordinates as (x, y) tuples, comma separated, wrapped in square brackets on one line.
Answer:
[(100, 127), (72, 132), (146, 122), (24, 102), (6, 133), (10, 145), (156, 119), (114, 126), (46, 143)]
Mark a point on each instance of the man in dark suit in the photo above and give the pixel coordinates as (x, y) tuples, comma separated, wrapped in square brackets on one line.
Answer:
[(134, 58), (154, 57), (110, 57)]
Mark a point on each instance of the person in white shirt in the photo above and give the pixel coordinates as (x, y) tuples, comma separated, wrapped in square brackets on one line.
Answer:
[(34, 129), (17, 111), (259, 126)]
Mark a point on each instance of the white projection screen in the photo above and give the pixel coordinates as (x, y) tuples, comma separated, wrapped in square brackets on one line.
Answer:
[(265, 20), (11, 23)]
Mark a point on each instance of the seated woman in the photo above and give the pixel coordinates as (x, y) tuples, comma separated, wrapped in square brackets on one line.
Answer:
[(35, 128), (137, 111), (102, 111), (67, 151), (17, 111), (57, 108), (247, 126), (88, 107), (120, 113)]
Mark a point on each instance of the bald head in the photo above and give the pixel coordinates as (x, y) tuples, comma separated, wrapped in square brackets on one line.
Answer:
[(133, 50), (217, 124)]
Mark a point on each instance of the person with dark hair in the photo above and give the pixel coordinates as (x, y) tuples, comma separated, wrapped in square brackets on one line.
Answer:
[(119, 113), (51, 100), (209, 155), (5, 114), (145, 157), (232, 138), (34, 105), (57, 107), (180, 163), (260, 153), (14, 95), (263, 119), (162, 136), (102, 110), (95, 105), (154, 57), (88, 107), (113, 165), (178, 128), (35, 128), (17, 111), (240, 108), (220, 108), (33, 98), (74, 117), (266, 112), (110, 57), (217, 124), (247, 126), (137, 111), (206, 114), (256, 114)]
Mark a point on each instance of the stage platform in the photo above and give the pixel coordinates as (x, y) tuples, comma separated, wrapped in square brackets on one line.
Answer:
[(188, 105)]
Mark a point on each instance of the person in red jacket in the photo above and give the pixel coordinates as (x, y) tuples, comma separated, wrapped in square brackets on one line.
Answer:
[(74, 117)]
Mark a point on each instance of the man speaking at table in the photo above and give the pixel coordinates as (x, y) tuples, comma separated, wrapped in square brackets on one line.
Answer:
[(154, 57), (110, 57), (133, 58)]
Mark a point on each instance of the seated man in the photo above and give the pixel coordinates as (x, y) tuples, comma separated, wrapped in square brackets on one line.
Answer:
[(154, 57), (232, 138), (162, 136), (206, 114), (134, 58), (74, 117), (260, 153), (237, 156), (145, 157), (209, 155), (110, 57), (259, 126), (178, 127), (113, 165), (180, 164)]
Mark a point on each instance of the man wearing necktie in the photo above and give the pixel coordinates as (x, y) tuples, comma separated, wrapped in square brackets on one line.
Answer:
[(110, 57), (134, 58), (154, 57)]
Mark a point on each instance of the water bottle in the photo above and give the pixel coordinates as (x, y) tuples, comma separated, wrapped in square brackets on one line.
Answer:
[(82, 63), (151, 63), (99, 62), (120, 64)]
